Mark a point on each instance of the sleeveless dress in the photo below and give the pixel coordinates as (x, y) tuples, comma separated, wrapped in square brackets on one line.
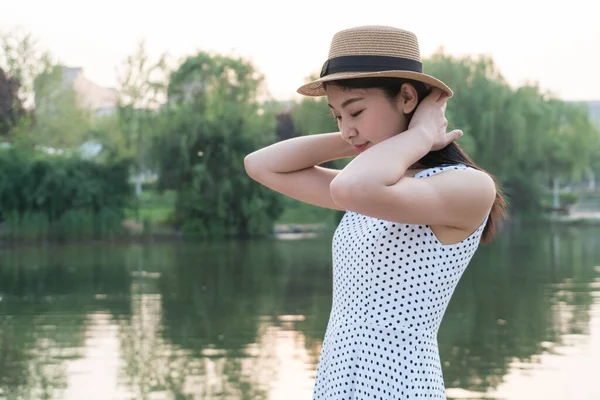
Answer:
[(392, 283)]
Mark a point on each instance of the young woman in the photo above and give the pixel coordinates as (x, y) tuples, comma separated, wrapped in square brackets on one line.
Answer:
[(416, 210)]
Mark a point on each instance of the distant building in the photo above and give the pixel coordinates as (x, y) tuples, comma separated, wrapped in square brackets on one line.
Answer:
[(101, 100)]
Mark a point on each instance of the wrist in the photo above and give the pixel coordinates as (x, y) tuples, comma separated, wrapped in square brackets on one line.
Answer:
[(424, 136)]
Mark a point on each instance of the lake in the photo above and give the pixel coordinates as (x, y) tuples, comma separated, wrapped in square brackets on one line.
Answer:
[(245, 320)]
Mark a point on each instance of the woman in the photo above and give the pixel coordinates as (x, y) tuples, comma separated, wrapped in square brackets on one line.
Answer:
[(416, 210)]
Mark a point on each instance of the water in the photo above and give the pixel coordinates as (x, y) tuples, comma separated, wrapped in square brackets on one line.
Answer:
[(245, 320)]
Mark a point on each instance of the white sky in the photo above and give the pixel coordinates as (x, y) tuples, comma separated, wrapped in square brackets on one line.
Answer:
[(530, 40)]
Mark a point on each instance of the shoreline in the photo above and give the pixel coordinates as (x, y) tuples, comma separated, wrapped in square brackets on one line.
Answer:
[(288, 231), (590, 218)]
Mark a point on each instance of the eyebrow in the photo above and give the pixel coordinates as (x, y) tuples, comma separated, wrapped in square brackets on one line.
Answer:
[(349, 101)]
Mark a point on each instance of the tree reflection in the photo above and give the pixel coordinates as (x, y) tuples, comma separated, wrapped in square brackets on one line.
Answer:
[(218, 303), (206, 320), (45, 295), (505, 306)]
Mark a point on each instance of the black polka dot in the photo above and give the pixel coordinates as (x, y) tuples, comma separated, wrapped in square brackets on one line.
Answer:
[(391, 286)]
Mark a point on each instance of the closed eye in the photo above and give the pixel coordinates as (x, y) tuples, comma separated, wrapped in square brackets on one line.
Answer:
[(356, 114)]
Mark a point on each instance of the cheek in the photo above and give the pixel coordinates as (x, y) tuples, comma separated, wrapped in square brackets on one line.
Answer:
[(392, 124), (381, 127)]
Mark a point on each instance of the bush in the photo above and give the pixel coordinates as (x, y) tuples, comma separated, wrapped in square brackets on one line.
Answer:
[(56, 197), (568, 198)]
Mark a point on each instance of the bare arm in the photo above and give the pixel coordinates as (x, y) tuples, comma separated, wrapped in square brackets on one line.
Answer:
[(375, 184), (291, 167)]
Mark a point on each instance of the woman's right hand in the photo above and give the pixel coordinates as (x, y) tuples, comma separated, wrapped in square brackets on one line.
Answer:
[(430, 118)]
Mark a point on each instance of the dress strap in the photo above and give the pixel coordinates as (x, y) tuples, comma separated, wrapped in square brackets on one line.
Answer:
[(436, 170)]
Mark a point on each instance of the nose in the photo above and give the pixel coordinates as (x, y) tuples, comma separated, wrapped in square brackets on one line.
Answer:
[(348, 132)]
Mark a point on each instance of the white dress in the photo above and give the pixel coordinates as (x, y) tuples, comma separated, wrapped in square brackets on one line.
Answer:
[(391, 285)]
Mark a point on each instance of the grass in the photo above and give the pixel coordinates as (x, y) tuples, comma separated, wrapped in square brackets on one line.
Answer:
[(154, 212), (154, 207), (72, 225), (157, 209), (297, 212)]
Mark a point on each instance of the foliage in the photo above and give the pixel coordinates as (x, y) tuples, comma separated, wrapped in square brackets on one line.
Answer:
[(569, 198), (141, 88), (60, 120), (44, 196), (297, 212), (523, 136), (22, 59), (107, 130), (212, 120), (141, 80), (11, 107), (154, 206), (54, 117), (312, 116)]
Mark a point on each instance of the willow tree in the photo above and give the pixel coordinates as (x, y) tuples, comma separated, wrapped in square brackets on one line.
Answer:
[(141, 87), (526, 137), (211, 121)]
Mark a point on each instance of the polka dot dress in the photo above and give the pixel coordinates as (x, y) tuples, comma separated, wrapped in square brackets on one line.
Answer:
[(391, 285)]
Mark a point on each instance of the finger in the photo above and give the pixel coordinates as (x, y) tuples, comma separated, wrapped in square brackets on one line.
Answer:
[(441, 95), (443, 98), (435, 94), (455, 134)]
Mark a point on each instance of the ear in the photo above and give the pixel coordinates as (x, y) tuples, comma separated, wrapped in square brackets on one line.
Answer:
[(407, 98)]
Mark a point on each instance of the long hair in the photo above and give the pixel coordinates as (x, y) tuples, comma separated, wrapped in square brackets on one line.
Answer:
[(449, 155)]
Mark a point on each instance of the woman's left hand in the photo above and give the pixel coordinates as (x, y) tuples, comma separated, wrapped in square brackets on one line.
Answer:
[(430, 118)]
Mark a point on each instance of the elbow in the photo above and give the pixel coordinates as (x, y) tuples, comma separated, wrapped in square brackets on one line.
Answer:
[(345, 193), (337, 192)]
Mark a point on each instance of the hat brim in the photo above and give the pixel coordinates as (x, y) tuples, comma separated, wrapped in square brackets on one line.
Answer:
[(315, 88)]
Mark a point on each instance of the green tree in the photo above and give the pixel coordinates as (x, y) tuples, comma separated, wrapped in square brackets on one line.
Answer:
[(526, 137), (55, 117), (211, 121), (60, 120), (22, 59), (11, 107), (141, 87), (312, 116)]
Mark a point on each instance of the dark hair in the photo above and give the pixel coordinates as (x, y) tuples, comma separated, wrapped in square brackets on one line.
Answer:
[(449, 155)]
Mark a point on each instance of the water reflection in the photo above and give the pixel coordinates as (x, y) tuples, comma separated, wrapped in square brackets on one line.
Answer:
[(245, 320)]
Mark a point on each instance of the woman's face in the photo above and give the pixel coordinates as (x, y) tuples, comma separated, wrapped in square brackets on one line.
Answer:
[(367, 116)]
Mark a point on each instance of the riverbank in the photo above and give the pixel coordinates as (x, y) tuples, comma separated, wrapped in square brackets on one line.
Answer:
[(135, 232), (576, 218)]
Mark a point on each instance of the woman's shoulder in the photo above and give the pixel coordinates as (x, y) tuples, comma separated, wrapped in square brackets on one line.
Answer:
[(459, 180)]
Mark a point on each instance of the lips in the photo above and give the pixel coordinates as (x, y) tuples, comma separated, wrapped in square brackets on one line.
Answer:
[(361, 147)]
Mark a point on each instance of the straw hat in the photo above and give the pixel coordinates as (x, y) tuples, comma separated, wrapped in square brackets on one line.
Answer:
[(372, 51)]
